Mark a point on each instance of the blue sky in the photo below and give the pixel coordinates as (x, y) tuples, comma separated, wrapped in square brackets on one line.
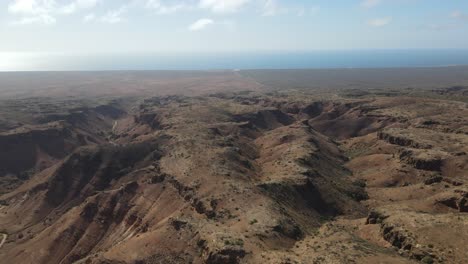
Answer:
[(97, 26)]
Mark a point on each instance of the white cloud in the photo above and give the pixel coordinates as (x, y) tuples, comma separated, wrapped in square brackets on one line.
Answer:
[(110, 17), (379, 22), (31, 7), (37, 7), (114, 16), (370, 3), (223, 6), (78, 5), (44, 11), (39, 19), (200, 24), (270, 8), (48, 11), (162, 8), (273, 8)]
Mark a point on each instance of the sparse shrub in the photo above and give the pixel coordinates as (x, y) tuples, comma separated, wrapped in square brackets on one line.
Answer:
[(234, 242), (253, 221), (25, 175), (289, 228), (358, 193), (360, 183), (427, 260)]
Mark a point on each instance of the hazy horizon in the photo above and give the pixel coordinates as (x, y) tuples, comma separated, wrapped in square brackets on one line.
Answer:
[(325, 59)]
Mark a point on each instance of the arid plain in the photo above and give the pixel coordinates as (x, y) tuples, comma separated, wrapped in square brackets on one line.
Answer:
[(257, 166)]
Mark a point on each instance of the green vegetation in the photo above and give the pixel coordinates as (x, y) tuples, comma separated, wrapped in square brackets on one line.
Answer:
[(427, 260), (253, 221), (234, 242)]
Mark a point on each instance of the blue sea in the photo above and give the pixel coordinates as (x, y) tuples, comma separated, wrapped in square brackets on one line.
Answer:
[(17, 61)]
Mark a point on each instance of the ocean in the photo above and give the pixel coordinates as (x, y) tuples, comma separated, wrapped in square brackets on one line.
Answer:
[(17, 61)]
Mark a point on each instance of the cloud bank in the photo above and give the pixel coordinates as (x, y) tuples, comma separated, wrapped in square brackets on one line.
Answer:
[(200, 24), (45, 11)]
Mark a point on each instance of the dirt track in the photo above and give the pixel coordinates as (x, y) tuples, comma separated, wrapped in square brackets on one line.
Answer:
[(5, 236)]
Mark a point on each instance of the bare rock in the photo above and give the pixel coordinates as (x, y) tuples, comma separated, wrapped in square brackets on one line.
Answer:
[(430, 160), (227, 255), (459, 201)]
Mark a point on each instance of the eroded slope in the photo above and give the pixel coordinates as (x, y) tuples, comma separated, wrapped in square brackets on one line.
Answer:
[(252, 178)]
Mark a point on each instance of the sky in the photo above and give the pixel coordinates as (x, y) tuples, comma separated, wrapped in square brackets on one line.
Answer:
[(198, 26)]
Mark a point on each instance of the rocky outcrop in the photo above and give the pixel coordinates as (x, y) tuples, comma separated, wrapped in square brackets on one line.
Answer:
[(150, 119), (404, 241), (430, 160), (433, 179), (453, 182), (289, 228), (375, 217), (396, 139), (399, 238), (459, 201), (178, 224), (396, 237), (227, 255)]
